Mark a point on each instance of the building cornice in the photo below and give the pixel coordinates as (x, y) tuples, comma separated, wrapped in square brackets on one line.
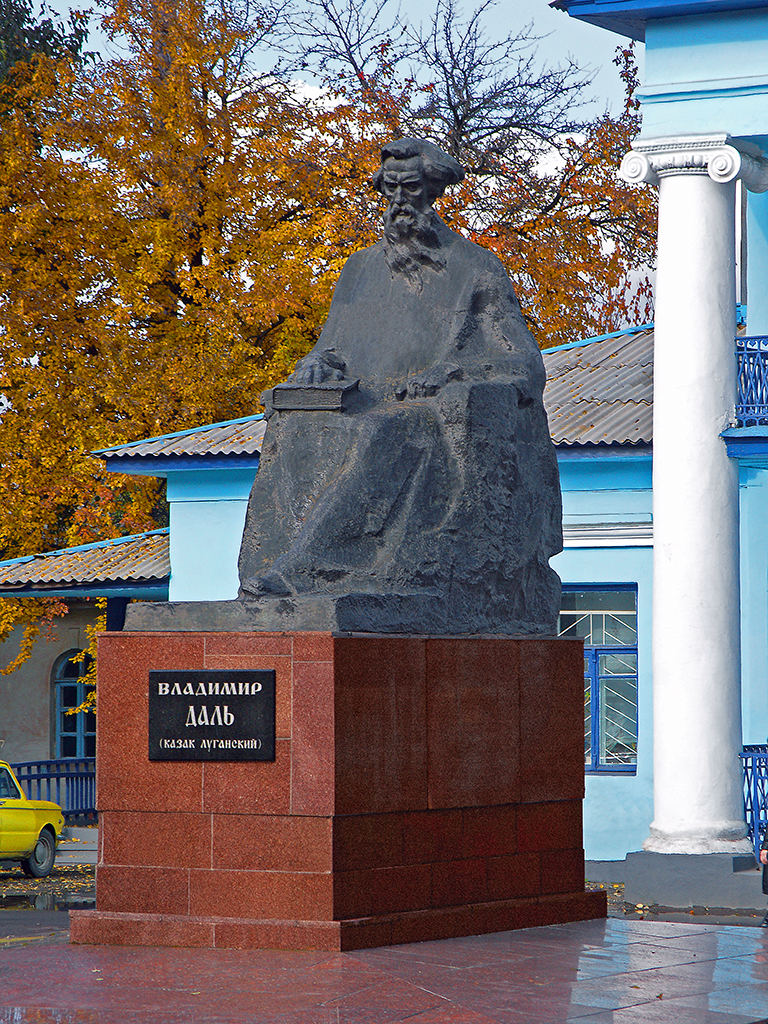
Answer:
[(608, 535)]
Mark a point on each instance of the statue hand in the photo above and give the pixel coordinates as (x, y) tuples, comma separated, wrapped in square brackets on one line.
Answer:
[(318, 369), (425, 385)]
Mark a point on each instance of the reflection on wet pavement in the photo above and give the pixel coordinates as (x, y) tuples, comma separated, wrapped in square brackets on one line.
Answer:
[(45, 901), (592, 972)]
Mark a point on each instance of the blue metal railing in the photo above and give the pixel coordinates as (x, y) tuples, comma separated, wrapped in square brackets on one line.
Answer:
[(754, 766), (69, 782), (752, 363)]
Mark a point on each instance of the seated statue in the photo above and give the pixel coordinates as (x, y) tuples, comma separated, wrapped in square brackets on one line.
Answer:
[(407, 461)]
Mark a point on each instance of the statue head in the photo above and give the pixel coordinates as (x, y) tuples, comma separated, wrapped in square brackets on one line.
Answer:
[(413, 174)]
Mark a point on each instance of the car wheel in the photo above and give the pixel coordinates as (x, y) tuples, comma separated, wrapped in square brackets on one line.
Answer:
[(44, 854)]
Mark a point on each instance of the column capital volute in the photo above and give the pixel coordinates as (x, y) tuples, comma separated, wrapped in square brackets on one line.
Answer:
[(720, 156)]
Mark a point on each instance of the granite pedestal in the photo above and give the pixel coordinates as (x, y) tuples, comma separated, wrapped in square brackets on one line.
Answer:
[(423, 788)]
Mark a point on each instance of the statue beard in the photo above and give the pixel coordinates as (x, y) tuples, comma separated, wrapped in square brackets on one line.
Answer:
[(411, 244)]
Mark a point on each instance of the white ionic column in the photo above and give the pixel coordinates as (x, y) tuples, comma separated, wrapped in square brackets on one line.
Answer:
[(696, 635)]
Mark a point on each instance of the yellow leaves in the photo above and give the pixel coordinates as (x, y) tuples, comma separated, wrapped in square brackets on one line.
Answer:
[(33, 617)]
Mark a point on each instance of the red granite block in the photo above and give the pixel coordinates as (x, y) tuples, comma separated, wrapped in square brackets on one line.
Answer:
[(165, 839), (442, 923), (92, 927), (459, 882), (555, 825), (558, 910), (472, 722), (562, 871), (229, 934), (381, 891), (489, 831), (430, 836), (367, 841), (312, 647), (125, 660), (154, 785), (589, 905), (282, 667), (514, 877), (313, 739), (271, 843), (142, 890), (380, 696), (365, 934), (262, 894), (551, 719), (121, 653), (251, 645), (255, 787)]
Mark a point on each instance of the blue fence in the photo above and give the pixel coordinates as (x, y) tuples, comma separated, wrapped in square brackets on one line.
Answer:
[(69, 782), (754, 764), (752, 361)]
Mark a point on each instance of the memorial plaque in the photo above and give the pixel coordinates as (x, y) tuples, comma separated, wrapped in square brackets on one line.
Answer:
[(212, 716)]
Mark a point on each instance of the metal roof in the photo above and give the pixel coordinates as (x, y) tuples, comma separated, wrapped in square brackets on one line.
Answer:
[(233, 437), (601, 392), (141, 557)]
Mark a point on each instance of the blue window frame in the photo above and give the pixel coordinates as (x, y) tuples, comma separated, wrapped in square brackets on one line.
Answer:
[(606, 620), (75, 734)]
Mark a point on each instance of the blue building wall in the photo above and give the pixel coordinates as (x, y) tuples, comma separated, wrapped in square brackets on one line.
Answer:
[(705, 74), (609, 492), (618, 809), (207, 515), (754, 603)]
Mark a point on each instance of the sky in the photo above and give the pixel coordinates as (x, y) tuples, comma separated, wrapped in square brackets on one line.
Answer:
[(561, 37)]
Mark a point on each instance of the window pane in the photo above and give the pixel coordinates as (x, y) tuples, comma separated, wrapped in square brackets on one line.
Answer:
[(7, 787), (602, 618), (68, 670), (69, 696), (69, 746), (587, 715), (574, 624), (90, 746), (618, 717), (67, 723), (618, 665)]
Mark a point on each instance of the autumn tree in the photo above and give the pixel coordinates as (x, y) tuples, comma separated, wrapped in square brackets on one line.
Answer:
[(29, 53), (542, 189)]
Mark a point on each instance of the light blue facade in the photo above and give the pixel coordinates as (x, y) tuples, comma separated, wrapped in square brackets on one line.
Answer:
[(614, 492), (706, 74), (207, 515), (754, 603), (610, 494)]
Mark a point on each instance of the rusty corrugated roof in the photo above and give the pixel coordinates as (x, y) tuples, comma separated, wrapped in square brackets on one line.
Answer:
[(141, 557), (234, 437), (601, 392)]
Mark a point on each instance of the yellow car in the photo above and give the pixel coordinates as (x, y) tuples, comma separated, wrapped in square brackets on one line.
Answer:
[(30, 830)]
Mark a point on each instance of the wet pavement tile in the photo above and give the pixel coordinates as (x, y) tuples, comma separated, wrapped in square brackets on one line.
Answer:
[(611, 972)]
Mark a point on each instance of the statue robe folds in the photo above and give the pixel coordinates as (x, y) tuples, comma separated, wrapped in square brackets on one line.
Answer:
[(430, 502)]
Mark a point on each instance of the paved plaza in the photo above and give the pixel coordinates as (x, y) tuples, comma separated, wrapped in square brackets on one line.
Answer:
[(594, 972)]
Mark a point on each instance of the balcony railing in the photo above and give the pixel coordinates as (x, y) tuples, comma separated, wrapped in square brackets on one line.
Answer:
[(754, 764), (752, 362), (69, 782)]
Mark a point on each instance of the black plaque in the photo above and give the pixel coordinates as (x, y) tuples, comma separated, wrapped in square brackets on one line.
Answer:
[(212, 716)]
